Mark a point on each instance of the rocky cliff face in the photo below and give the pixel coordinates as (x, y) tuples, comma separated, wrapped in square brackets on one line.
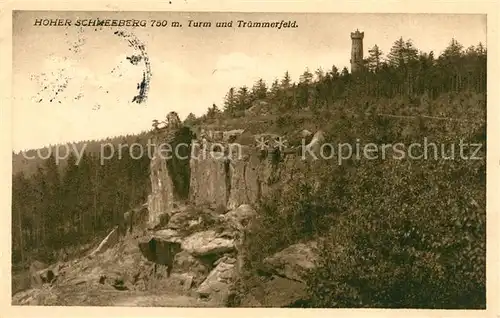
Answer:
[(199, 209), (215, 172), (170, 172)]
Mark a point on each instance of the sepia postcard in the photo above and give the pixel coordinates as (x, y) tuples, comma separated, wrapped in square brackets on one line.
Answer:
[(169, 158)]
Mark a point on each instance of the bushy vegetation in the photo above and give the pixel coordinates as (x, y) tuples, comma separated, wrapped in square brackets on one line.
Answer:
[(392, 233), (410, 239), (402, 233)]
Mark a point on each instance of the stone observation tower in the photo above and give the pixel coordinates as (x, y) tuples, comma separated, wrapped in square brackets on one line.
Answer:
[(357, 50)]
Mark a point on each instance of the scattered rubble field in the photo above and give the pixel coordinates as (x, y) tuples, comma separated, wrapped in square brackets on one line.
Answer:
[(193, 260)]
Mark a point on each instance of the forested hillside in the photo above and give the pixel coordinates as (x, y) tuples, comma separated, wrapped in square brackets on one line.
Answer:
[(59, 208), (402, 96), (404, 72)]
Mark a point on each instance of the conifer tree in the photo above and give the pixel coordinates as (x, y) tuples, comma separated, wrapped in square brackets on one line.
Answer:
[(243, 98), (286, 81), (259, 90), (230, 101), (375, 58)]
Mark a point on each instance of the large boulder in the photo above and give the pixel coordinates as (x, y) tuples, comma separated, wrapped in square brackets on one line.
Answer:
[(160, 252), (185, 263), (181, 221), (294, 262), (41, 277), (207, 243), (167, 235), (276, 292), (191, 219), (218, 284)]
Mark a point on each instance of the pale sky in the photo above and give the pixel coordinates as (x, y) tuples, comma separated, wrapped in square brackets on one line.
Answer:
[(192, 68)]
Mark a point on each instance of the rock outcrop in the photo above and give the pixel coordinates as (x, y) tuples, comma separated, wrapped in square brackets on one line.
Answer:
[(276, 291), (231, 177), (170, 172), (218, 283), (209, 177), (214, 170), (207, 243), (35, 268), (293, 262), (190, 234), (283, 283), (193, 257)]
